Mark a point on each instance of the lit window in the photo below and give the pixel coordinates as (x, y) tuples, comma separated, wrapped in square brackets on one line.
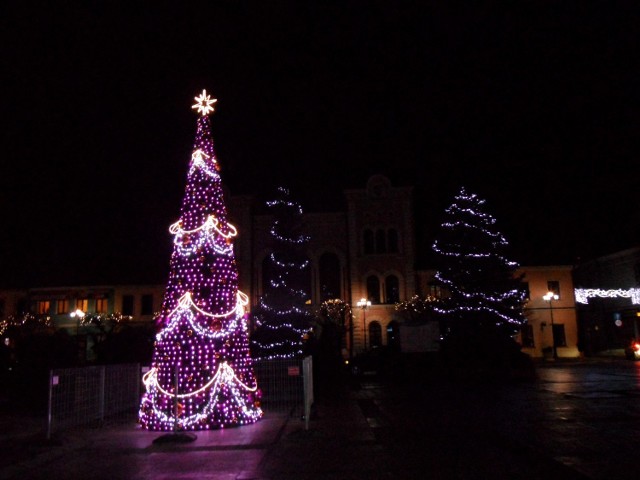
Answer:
[(62, 307), (82, 304), (43, 306), (101, 305)]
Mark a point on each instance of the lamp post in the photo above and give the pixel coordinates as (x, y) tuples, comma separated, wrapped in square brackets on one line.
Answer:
[(363, 303), (550, 297), (78, 315)]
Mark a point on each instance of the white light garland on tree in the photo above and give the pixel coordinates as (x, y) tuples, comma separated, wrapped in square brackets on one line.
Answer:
[(281, 318), (199, 161), (475, 271)]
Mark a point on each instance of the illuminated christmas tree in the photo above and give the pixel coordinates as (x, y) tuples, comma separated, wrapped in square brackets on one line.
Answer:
[(201, 375), (485, 296), (281, 317)]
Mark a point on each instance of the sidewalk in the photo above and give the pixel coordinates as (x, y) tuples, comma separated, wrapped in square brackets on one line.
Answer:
[(339, 444), (127, 451), (276, 447)]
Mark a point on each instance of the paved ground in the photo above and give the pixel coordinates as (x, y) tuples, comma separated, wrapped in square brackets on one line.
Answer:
[(579, 420)]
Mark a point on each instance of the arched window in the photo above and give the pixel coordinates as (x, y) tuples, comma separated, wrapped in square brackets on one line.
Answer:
[(393, 335), (392, 289), (329, 272), (381, 241), (369, 246), (373, 289), (392, 240), (375, 334)]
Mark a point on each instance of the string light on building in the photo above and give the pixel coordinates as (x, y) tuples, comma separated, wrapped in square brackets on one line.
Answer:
[(584, 294)]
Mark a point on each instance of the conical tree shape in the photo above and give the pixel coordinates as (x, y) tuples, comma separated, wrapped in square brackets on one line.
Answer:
[(201, 375), (281, 317), (484, 293)]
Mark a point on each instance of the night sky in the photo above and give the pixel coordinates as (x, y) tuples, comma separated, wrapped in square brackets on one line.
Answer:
[(532, 106)]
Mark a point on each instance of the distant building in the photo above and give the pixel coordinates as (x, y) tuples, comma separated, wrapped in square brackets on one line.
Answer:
[(550, 322), (58, 303), (139, 301), (538, 333), (608, 301), (367, 251)]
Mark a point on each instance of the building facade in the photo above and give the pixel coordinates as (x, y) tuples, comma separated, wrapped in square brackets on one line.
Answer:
[(548, 321), (58, 307), (366, 252), (608, 301), (551, 319)]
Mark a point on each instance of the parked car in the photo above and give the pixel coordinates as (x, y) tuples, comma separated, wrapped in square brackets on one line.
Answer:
[(632, 350)]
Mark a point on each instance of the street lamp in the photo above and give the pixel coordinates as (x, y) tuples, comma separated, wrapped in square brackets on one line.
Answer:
[(78, 315), (363, 303), (550, 297)]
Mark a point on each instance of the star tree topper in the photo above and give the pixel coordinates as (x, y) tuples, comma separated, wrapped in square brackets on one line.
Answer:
[(204, 102)]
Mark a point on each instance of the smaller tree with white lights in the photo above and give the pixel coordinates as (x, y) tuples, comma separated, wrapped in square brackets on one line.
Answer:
[(281, 318), (484, 305)]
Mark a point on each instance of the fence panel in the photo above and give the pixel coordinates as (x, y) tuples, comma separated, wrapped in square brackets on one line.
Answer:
[(282, 384), (122, 391), (92, 395)]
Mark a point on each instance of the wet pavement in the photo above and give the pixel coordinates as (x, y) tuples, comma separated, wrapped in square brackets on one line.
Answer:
[(585, 416), (578, 420)]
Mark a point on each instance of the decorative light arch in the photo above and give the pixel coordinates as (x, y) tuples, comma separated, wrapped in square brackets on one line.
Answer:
[(584, 294)]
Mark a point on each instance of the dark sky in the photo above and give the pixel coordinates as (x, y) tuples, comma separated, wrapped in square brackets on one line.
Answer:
[(532, 105)]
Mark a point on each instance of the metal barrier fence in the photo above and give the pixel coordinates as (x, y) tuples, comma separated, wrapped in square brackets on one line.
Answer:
[(307, 369), (282, 382), (92, 395)]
